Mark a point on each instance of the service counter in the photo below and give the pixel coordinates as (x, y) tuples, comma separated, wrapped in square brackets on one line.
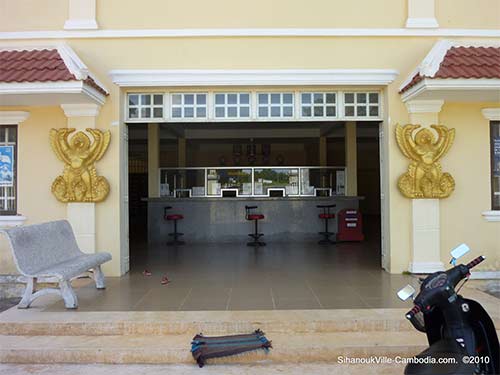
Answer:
[(223, 219)]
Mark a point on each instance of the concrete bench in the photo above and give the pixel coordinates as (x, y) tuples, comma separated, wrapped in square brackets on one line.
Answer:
[(50, 250)]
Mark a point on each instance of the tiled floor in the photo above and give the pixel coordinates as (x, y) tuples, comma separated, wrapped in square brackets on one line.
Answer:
[(237, 277)]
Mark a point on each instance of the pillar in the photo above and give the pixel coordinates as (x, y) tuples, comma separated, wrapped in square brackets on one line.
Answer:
[(425, 231), (351, 159), (82, 215), (181, 152), (323, 153), (421, 14), (153, 160)]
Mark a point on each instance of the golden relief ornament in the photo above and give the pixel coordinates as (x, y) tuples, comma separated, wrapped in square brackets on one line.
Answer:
[(79, 181), (425, 178)]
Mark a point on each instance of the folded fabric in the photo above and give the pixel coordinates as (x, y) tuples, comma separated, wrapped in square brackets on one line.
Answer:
[(204, 348)]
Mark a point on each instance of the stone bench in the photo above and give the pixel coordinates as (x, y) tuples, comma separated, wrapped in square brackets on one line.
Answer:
[(50, 250)]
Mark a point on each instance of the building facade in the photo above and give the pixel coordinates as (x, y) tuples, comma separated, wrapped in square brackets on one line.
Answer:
[(112, 65)]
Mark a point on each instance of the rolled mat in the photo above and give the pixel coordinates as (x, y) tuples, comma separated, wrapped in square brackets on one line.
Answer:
[(204, 348)]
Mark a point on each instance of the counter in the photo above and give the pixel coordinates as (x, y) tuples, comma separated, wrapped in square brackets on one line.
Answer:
[(223, 219)]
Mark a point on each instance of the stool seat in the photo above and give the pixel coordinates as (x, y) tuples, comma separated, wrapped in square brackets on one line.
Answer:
[(327, 216), (255, 217), (174, 217)]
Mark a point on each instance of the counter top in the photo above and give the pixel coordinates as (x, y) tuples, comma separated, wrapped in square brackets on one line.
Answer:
[(232, 199)]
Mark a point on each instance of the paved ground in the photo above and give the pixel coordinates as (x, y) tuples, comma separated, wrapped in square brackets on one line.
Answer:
[(306, 369), (279, 276)]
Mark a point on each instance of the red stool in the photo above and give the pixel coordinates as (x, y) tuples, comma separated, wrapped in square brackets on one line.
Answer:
[(175, 234), (256, 235), (326, 215)]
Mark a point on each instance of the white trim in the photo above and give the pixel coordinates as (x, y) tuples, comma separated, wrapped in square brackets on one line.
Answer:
[(492, 114), (426, 267), (255, 32), (485, 275), (424, 106), (422, 23), (57, 87), (448, 84), (491, 215), (81, 110), (9, 221), (80, 24), (13, 117), (298, 77)]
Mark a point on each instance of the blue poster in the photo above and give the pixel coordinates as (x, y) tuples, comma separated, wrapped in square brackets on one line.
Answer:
[(6, 165)]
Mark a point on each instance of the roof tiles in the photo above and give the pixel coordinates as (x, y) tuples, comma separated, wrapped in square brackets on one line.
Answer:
[(465, 62)]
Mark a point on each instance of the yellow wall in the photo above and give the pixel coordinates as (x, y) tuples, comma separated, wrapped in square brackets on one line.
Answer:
[(469, 163), (150, 14), (477, 14), (24, 15)]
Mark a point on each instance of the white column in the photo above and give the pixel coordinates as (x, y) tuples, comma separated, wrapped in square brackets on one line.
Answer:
[(426, 239), (82, 215), (81, 15), (421, 14)]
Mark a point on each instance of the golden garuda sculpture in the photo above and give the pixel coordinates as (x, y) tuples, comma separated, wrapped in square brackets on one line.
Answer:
[(79, 181), (425, 178)]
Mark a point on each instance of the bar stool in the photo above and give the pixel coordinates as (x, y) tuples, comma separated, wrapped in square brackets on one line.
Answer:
[(326, 215), (256, 235), (175, 234)]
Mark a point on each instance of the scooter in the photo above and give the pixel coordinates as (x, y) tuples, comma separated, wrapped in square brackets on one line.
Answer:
[(462, 337)]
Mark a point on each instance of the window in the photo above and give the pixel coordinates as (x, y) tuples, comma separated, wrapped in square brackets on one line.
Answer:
[(145, 106), (232, 105), (318, 104), (361, 104), (495, 165), (275, 105), (8, 169), (186, 106)]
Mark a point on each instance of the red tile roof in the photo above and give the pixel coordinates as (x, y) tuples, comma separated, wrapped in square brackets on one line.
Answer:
[(37, 66), (465, 62)]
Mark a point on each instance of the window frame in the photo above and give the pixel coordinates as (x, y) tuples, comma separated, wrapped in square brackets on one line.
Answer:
[(208, 106), (15, 187), (493, 125), (151, 106), (238, 105), (281, 105), (323, 105), (367, 104)]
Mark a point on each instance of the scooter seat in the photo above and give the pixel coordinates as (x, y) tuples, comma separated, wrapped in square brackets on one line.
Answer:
[(446, 349)]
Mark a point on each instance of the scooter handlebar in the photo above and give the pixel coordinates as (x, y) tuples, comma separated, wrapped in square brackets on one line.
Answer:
[(410, 314), (475, 262)]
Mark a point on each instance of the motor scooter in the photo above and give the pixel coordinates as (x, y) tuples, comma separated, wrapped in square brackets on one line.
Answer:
[(462, 337)]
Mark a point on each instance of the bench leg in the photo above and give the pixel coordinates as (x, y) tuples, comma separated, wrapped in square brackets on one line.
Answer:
[(100, 283), (28, 294), (68, 294)]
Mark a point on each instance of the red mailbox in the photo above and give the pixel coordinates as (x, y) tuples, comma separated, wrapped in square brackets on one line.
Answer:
[(350, 225)]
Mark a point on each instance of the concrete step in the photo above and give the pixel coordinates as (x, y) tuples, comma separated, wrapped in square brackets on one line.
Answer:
[(34, 322), (175, 349), (192, 369)]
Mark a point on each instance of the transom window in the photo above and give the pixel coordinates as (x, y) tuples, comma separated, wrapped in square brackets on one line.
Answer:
[(8, 170), (275, 104), (250, 104), (361, 104), (318, 104), (495, 165), (232, 105), (145, 106), (189, 105)]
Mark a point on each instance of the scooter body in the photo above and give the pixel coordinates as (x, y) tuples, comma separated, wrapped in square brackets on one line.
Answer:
[(462, 337)]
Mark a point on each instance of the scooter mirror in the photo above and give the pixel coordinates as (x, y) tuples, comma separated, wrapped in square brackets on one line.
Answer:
[(459, 251), (405, 293)]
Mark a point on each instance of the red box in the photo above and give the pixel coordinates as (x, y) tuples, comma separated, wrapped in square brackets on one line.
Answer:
[(350, 225)]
